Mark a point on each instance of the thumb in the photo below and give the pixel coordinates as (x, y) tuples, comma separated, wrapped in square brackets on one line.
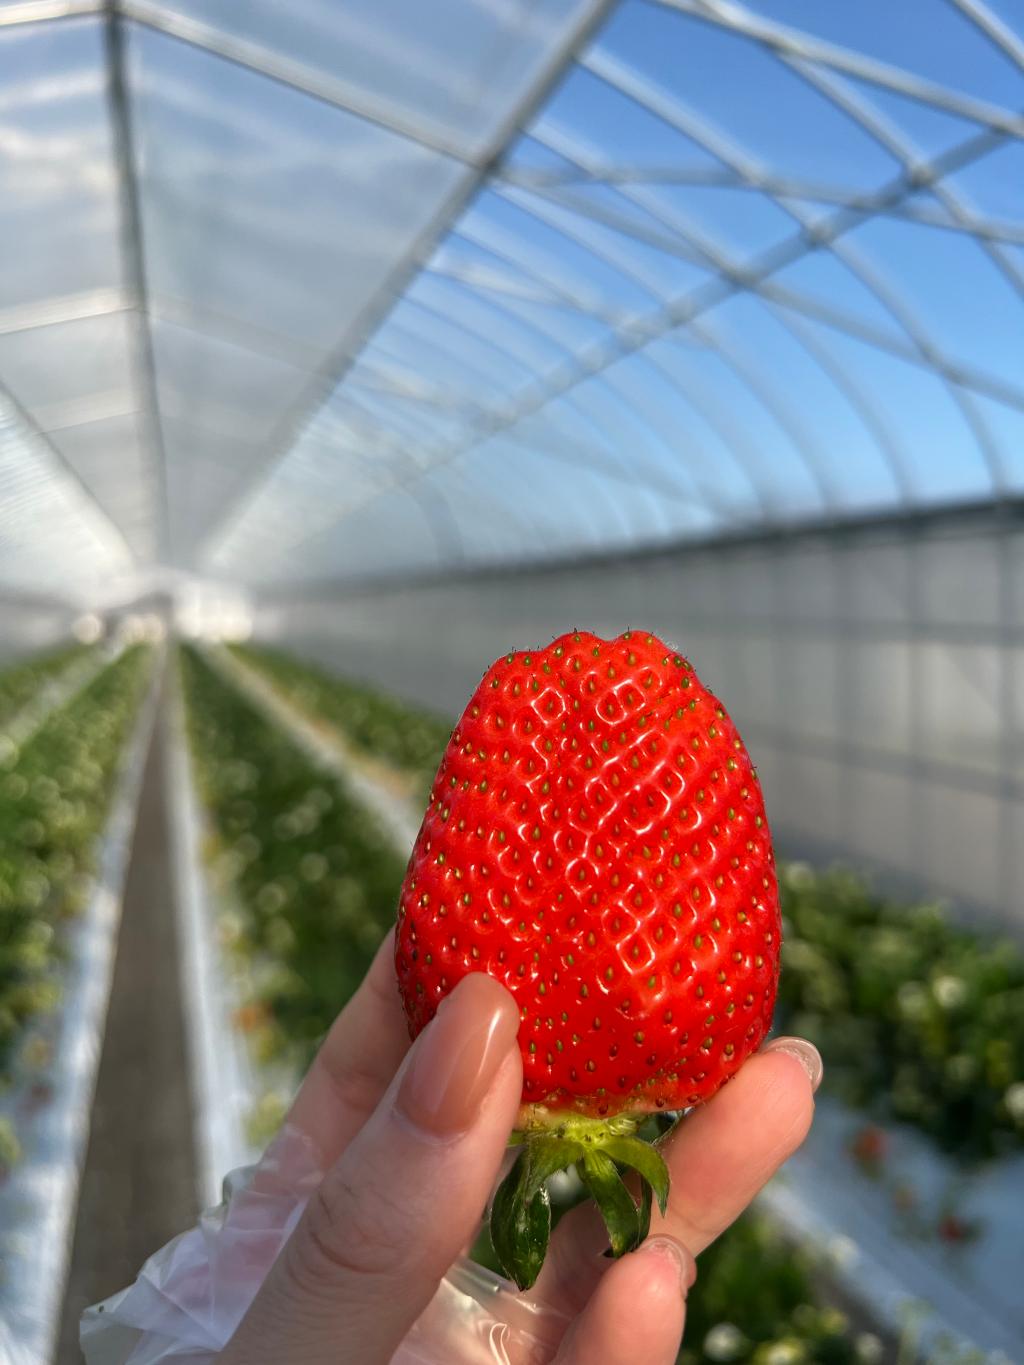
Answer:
[(398, 1207)]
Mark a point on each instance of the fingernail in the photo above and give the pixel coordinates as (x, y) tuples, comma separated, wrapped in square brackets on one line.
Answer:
[(457, 1056), (671, 1250), (806, 1054)]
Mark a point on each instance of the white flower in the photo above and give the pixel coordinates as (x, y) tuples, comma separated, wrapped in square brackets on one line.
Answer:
[(313, 867), (868, 1348), (949, 991), (564, 1185), (912, 999), (785, 1353), (1014, 1101), (723, 1342), (843, 1251), (271, 898), (961, 1067), (800, 874)]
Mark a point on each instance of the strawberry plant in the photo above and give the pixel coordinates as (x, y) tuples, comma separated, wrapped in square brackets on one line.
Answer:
[(54, 796), (315, 877), (919, 1019), (21, 682), (405, 736)]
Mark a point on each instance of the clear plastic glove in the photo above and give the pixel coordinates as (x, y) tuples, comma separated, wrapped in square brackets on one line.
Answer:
[(345, 1243)]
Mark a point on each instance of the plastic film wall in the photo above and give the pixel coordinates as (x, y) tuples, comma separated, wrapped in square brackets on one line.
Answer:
[(878, 678), (27, 626)]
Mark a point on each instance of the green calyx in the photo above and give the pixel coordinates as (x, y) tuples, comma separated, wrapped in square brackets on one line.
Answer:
[(521, 1211)]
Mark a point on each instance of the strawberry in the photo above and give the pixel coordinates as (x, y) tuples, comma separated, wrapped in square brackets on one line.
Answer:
[(596, 840)]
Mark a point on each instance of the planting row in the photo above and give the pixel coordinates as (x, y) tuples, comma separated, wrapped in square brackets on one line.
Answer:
[(22, 682), (55, 790), (921, 1021), (383, 727), (313, 876), (314, 883)]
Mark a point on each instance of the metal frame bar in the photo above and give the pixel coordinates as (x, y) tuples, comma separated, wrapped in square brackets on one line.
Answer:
[(65, 469), (958, 516), (811, 238), (565, 298), (564, 449), (331, 90), (999, 33), (134, 257), (338, 362), (782, 39), (438, 513), (737, 159), (729, 433), (908, 766), (712, 257), (47, 11), (879, 129), (757, 279), (807, 56), (779, 187), (484, 419), (52, 312)]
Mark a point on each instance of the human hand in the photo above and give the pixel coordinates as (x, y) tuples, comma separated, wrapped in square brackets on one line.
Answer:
[(412, 1139)]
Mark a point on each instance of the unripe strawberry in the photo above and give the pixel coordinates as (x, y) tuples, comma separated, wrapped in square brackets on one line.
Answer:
[(596, 840)]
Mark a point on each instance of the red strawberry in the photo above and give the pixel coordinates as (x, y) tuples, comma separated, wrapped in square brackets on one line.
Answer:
[(596, 841), (870, 1146)]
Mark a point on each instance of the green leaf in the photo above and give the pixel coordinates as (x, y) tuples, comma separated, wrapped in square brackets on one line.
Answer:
[(521, 1223), (640, 1156), (547, 1155), (646, 1200), (521, 1211), (620, 1214)]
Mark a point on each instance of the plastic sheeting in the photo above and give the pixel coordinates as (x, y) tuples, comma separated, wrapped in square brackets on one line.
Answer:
[(878, 679), (333, 293)]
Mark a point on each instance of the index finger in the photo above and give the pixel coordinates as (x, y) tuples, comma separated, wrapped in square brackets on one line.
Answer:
[(356, 1062)]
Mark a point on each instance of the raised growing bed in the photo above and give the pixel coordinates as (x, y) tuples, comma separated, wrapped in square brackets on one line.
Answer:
[(68, 795), (378, 728), (33, 678), (303, 875)]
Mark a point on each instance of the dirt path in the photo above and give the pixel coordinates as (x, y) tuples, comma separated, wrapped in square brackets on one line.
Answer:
[(139, 1183)]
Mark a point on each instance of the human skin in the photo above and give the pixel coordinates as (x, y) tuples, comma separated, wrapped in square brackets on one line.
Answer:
[(412, 1139)]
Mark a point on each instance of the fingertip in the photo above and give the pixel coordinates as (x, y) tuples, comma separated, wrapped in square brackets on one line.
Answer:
[(479, 994), (780, 1090), (669, 1262), (637, 1310), (805, 1053), (457, 1059)]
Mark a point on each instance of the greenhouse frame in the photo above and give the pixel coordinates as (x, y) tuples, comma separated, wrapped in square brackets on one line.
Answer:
[(347, 347)]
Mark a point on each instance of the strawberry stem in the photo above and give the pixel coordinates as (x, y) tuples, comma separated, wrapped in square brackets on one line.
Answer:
[(521, 1210)]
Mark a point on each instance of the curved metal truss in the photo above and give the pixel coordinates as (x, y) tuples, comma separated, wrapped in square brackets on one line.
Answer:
[(667, 269)]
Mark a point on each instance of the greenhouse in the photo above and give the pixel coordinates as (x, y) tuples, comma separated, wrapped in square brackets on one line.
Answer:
[(430, 437)]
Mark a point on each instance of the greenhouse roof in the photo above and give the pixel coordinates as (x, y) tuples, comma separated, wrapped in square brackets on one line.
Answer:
[(336, 292)]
